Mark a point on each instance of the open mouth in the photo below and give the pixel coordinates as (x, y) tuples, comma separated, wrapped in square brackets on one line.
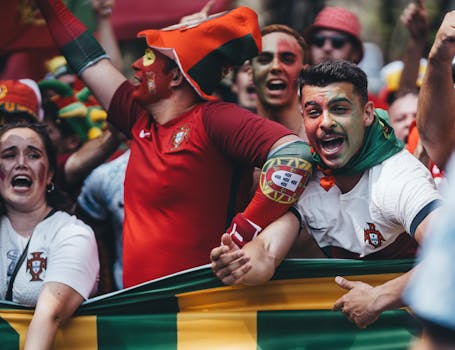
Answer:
[(251, 89), (21, 181), (276, 85), (331, 144)]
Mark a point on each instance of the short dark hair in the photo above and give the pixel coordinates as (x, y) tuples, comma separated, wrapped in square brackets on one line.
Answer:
[(338, 71), (56, 199), (282, 28)]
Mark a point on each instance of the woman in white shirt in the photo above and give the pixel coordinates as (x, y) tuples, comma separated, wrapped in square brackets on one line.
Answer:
[(48, 258)]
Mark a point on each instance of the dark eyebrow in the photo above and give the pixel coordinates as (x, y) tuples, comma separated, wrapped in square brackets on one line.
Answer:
[(33, 148), (340, 99), (311, 103), (9, 148)]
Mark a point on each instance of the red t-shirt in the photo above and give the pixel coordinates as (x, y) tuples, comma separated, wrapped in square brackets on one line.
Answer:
[(179, 182)]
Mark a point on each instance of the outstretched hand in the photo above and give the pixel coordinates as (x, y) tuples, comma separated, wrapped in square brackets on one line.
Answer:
[(358, 304), (198, 16), (103, 8), (229, 262)]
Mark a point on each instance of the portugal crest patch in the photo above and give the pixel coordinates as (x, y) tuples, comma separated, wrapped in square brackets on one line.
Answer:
[(37, 266), (180, 137), (283, 179), (372, 236)]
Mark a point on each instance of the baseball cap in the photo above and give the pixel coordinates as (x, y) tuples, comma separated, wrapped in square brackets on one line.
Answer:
[(340, 19), (205, 50), (21, 96)]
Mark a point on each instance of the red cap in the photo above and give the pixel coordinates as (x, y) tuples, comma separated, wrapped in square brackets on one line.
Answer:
[(21, 96), (204, 50), (340, 19)]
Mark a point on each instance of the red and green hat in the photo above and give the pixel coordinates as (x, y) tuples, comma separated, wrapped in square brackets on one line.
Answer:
[(21, 96), (205, 50)]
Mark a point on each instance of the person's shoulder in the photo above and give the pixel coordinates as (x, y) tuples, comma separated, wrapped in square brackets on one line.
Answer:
[(402, 161), (63, 221), (219, 106)]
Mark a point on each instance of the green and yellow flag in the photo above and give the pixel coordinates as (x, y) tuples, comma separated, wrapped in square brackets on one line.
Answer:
[(193, 310)]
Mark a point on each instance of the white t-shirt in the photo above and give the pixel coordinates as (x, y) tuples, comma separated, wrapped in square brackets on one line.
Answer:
[(391, 198), (62, 249)]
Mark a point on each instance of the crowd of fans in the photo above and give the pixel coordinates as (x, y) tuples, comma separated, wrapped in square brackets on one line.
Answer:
[(107, 183)]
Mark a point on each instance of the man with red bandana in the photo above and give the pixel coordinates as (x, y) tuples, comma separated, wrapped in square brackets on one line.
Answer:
[(189, 153)]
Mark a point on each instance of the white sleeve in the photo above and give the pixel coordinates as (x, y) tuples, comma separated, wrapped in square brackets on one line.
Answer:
[(73, 258), (404, 189)]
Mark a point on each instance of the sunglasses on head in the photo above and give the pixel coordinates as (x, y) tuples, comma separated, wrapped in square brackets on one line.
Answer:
[(337, 41)]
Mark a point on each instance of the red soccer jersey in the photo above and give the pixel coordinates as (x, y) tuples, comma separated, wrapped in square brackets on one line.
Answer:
[(179, 182)]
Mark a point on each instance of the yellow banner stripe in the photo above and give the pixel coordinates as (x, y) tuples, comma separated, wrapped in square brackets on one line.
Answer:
[(296, 294), (79, 332), (217, 330)]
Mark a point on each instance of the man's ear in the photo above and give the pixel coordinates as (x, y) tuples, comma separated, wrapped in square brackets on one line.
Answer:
[(368, 114), (177, 77)]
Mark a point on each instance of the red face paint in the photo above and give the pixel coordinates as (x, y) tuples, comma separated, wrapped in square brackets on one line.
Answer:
[(153, 77), (24, 170)]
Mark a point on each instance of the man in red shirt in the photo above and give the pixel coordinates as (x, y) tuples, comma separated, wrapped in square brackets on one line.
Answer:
[(189, 153)]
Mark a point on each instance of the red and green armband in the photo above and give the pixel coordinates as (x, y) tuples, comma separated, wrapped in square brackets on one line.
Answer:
[(283, 179), (75, 42)]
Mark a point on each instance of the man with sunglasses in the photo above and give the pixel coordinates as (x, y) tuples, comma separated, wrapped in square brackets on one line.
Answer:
[(335, 34)]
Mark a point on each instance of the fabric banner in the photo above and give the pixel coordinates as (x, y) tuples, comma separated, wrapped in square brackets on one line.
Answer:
[(193, 310)]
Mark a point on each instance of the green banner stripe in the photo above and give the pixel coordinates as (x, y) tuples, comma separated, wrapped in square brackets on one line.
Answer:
[(8, 335), (322, 329), (302, 268), (157, 331)]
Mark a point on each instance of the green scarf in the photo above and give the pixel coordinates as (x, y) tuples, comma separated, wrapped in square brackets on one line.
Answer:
[(380, 144)]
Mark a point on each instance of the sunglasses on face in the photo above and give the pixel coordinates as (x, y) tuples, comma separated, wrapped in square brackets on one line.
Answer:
[(337, 42)]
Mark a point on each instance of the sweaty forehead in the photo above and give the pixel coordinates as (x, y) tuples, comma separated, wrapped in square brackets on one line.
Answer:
[(280, 42)]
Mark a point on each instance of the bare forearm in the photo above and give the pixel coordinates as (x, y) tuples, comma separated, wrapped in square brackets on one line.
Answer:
[(389, 293), (41, 334), (411, 65), (108, 41), (435, 118), (263, 264), (90, 155)]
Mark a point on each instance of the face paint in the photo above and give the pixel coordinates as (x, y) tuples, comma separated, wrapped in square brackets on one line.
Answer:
[(152, 77), (276, 69), (334, 122), (24, 169)]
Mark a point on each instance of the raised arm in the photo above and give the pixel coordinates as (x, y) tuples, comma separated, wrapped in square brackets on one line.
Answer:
[(83, 53), (105, 30), (415, 19), (435, 112)]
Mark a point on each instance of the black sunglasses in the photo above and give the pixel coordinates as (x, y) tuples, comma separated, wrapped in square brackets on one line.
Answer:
[(337, 41)]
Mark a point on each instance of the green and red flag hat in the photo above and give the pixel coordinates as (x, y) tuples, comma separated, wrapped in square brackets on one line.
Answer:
[(205, 50)]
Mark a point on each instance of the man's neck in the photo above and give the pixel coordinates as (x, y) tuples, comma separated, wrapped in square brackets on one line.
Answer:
[(288, 116), (170, 108), (347, 182)]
